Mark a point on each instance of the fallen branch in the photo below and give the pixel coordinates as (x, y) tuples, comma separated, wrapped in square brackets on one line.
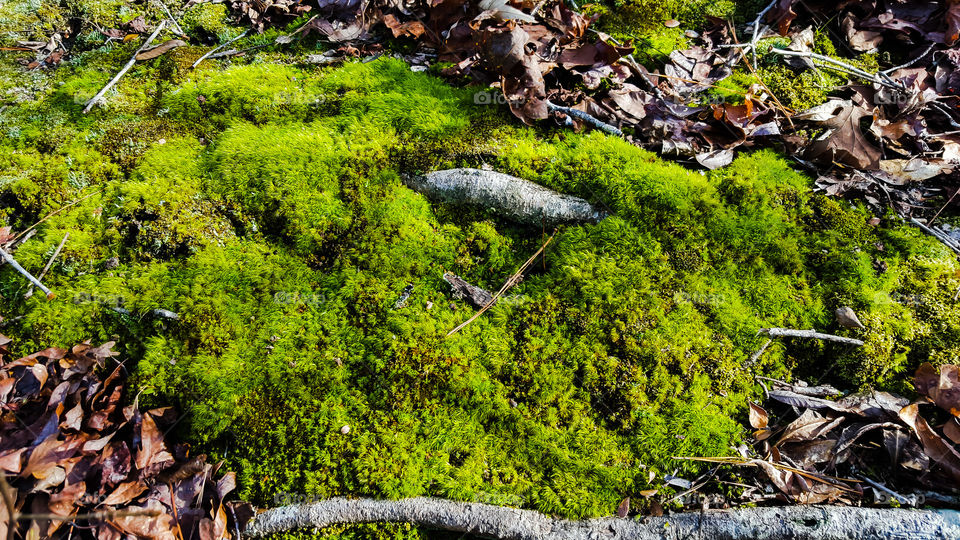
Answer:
[(133, 60), (16, 266), (809, 334), (508, 196), (795, 522)]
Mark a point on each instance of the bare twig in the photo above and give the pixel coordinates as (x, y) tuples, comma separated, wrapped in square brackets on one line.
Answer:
[(53, 257), (16, 239), (133, 60), (756, 32), (810, 334), (840, 66), (946, 204), (217, 48), (942, 237), (514, 279), (173, 19), (16, 266), (911, 62), (756, 356), (593, 121), (911, 501)]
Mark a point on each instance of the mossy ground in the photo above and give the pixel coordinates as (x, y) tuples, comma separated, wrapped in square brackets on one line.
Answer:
[(262, 202)]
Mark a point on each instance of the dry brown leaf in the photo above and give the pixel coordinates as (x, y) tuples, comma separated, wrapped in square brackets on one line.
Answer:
[(933, 445), (758, 416)]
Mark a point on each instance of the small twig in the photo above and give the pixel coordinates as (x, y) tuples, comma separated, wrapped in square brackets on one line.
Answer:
[(133, 60), (514, 279), (943, 238), (53, 257), (810, 334), (840, 66), (16, 266), (217, 48), (593, 121), (756, 33), (756, 356), (173, 19), (946, 204), (911, 62), (24, 232), (900, 498)]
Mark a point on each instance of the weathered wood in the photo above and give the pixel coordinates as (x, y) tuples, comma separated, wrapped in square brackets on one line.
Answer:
[(510, 197), (793, 522), (809, 334), (461, 288)]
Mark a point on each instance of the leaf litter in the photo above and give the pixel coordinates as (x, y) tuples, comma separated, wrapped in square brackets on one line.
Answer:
[(69, 447)]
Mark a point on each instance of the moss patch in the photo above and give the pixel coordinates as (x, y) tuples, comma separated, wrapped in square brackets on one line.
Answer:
[(264, 205)]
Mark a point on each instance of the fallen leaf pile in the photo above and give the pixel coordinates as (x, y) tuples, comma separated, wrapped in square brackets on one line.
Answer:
[(68, 447), (823, 450)]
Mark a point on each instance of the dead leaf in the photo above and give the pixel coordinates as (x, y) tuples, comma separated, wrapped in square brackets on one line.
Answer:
[(623, 508), (160, 49), (758, 416), (933, 445)]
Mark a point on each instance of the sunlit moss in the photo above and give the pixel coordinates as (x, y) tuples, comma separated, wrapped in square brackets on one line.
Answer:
[(264, 204)]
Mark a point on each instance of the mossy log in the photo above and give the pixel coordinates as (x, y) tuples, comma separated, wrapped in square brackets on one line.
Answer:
[(794, 522), (507, 196)]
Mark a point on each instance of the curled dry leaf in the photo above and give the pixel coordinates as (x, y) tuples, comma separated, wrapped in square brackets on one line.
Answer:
[(758, 416), (933, 445)]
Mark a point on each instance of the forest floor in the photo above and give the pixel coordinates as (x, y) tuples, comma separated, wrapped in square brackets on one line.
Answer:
[(243, 229)]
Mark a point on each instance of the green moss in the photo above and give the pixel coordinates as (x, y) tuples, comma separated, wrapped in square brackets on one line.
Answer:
[(206, 17), (273, 220)]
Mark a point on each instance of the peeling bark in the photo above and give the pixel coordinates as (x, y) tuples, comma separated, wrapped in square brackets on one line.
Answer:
[(793, 522), (508, 196)]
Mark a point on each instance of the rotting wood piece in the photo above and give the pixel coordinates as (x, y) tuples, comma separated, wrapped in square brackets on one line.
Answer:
[(507, 196), (463, 289)]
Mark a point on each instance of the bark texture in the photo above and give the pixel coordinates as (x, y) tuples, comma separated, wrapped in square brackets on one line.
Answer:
[(779, 523), (461, 288), (508, 196)]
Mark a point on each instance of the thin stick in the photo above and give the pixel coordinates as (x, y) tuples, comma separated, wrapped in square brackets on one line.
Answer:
[(599, 124), (810, 334), (935, 216), (943, 238), (133, 60), (16, 266), (53, 257), (217, 48), (172, 18), (840, 66), (514, 279), (756, 356), (912, 62), (17, 238), (756, 27)]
